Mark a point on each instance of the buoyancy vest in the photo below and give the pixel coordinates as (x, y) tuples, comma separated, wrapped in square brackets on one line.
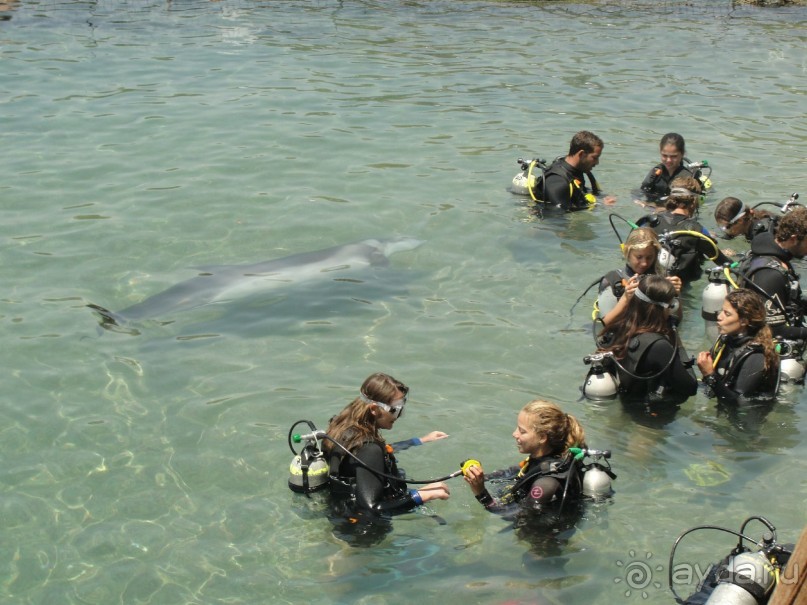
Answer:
[(556, 467), (636, 350), (343, 472), (790, 309), (579, 195), (730, 353), (683, 247), (761, 225)]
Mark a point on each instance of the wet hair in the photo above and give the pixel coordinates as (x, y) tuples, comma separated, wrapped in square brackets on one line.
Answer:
[(356, 424), (639, 239), (675, 139), (640, 317), (585, 141), (792, 223), (751, 308), (685, 191), (728, 208), (562, 430)]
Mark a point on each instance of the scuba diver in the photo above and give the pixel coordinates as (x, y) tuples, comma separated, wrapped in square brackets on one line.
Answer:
[(562, 185), (743, 362), (656, 185), (550, 475), (364, 491), (689, 243), (641, 250), (734, 218), (768, 271), (645, 348)]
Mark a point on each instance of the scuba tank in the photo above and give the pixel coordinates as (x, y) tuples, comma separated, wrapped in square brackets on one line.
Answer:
[(666, 259), (747, 579), (744, 577), (791, 366), (602, 381), (607, 300), (712, 301), (525, 181), (597, 475), (703, 176), (309, 470)]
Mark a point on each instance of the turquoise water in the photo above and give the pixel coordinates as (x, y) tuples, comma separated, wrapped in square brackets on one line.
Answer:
[(143, 139)]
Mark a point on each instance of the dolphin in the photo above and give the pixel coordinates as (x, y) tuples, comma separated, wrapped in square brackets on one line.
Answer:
[(224, 283)]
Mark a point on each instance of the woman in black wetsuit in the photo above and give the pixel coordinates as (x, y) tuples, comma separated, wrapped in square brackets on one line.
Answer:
[(544, 433), (648, 353), (362, 489), (743, 362), (656, 185)]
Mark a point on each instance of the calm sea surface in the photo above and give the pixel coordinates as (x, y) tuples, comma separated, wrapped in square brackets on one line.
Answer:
[(141, 140)]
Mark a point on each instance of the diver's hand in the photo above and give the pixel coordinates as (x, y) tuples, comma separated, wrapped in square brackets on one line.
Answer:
[(434, 491), (476, 479), (676, 282), (433, 436), (705, 363), (609, 200), (630, 287)]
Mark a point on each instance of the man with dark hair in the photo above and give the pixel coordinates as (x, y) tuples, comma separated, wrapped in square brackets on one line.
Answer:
[(563, 185), (771, 275)]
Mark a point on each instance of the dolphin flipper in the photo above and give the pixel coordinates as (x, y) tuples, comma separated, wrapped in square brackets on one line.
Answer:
[(112, 321)]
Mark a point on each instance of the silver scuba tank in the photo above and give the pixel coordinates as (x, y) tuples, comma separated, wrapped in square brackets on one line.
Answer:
[(521, 184), (596, 482), (791, 366), (606, 302), (791, 370), (666, 259), (747, 580), (600, 384), (712, 301)]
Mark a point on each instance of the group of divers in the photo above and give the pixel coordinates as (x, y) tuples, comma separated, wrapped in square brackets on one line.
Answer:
[(752, 302)]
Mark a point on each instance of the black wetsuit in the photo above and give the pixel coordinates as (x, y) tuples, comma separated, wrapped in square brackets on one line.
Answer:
[(690, 251), (362, 484), (656, 185), (649, 370), (538, 484), (613, 279), (740, 370), (768, 267), (760, 225), (562, 186)]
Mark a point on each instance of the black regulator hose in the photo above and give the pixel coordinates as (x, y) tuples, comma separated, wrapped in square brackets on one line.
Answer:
[(316, 434), (629, 223)]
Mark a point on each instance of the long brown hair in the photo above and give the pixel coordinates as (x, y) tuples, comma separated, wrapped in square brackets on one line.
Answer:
[(356, 424), (751, 308), (640, 316), (562, 430)]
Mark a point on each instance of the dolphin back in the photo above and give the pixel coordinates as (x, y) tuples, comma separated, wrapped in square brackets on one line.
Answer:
[(228, 282), (392, 246)]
